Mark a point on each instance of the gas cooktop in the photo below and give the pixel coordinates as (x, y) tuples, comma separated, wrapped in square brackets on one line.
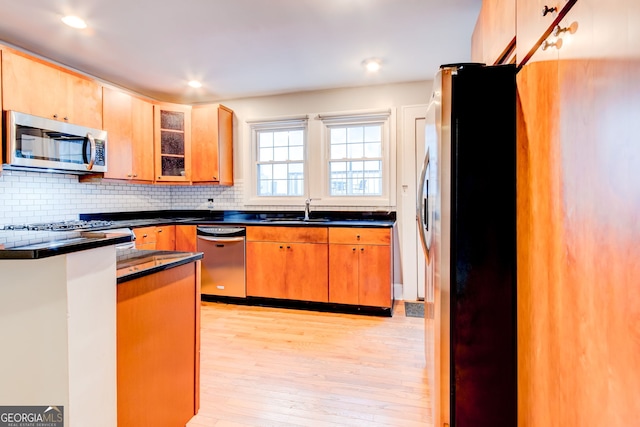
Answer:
[(61, 225)]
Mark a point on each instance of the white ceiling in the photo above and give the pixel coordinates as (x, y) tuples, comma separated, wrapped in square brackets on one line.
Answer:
[(244, 48)]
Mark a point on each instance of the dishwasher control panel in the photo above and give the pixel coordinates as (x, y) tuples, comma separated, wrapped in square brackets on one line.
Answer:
[(221, 231), (223, 264)]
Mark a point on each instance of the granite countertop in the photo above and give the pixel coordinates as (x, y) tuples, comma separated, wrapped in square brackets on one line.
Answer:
[(135, 263), (124, 220), (246, 218), (64, 246)]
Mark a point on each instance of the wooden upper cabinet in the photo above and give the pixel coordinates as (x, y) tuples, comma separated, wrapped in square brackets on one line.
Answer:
[(494, 37), (212, 144), (128, 121), (142, 143), (535, 22), (172, 136), (36, 87), (578, 139)]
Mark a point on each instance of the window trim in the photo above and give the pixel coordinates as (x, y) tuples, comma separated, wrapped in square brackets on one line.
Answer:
[(316, 173), (386, 118)]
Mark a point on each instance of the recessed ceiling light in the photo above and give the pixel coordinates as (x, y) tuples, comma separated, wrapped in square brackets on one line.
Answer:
[(372, 64), (195, 83), (74, 21)]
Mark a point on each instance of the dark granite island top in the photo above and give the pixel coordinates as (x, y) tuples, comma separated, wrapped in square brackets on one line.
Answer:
[(64, 246), (135, 263)]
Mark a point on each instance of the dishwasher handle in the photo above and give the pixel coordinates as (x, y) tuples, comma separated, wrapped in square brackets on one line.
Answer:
[(222, 239)]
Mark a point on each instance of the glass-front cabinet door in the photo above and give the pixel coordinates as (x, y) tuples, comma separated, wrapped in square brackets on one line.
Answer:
[(172, 143)]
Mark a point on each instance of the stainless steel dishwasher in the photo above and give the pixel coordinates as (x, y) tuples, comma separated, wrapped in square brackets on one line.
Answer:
[(223, 262)]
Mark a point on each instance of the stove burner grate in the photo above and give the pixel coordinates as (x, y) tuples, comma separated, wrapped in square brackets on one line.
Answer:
[(61, 225)]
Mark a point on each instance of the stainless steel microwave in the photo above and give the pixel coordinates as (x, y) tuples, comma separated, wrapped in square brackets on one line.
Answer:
[(45, 145)]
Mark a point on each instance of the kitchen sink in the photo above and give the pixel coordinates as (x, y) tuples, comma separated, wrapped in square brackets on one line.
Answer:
[(294, 220)]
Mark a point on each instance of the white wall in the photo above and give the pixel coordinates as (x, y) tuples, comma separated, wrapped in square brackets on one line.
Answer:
[(361, 98)]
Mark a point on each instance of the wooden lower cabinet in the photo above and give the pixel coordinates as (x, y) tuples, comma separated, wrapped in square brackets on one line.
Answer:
[(166, 238), (360, 266), (186, 238), (336, 265), (287, 263), (145, 237), (161, 238), (158, 348)]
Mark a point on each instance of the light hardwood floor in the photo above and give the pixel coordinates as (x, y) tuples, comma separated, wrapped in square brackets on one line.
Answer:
[(281, 367)]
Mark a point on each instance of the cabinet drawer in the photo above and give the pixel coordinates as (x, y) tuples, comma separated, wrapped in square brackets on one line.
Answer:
[(288, 234), (144, 235), (363, 236)]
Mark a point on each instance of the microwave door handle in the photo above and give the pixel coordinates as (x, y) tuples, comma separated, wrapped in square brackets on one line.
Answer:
[(92, 157)]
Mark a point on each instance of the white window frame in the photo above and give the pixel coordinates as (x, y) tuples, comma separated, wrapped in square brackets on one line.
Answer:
[(251, 190), (316, 160), (321, 187)]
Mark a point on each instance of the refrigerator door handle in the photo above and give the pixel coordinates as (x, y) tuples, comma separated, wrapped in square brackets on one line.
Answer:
[(423, 206)]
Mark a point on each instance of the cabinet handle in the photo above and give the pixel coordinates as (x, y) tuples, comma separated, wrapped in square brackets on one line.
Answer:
[(358, 237), (66, 119), (281, 246), (144, 235), (160, 230), (571, 29), (547, 44), (547, 10), (361, 249), (55, 116), (135, 175), (354, 249), (288, 247), (128, 175), (215, 178)]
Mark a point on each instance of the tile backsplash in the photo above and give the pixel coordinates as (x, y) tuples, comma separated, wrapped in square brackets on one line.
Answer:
[(33, 197)]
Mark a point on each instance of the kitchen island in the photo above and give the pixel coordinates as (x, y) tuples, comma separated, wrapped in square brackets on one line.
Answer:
[(58, 328), (73, 313)]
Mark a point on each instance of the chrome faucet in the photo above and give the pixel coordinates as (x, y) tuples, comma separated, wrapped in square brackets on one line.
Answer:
[(307, 204)]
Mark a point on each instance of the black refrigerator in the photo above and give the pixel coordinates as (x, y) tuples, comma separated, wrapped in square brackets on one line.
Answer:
[(467, 225)]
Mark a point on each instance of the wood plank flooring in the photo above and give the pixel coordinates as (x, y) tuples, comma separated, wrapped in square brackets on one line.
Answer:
[(265, 366)]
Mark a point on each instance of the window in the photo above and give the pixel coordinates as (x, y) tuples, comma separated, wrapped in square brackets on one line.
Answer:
[(279, 152), (359, 158), (280, 162), (337, 159), (355, 160)]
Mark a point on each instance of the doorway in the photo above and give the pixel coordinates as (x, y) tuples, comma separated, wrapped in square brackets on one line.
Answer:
[(413, 261)]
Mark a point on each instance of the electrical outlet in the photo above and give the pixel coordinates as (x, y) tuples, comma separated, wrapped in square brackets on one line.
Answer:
[(210, 203)]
